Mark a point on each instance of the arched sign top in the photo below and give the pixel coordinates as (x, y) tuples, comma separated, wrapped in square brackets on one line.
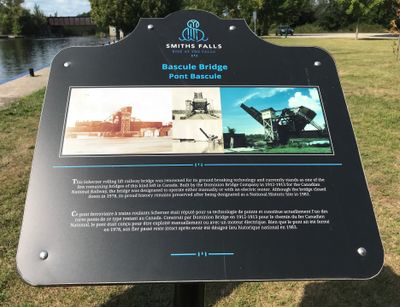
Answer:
[(193, 24)]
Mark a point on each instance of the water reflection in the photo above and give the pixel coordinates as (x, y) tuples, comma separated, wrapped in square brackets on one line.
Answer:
[(18, 55)]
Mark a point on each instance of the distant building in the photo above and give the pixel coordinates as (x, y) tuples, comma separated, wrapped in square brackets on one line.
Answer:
[(120, 124)]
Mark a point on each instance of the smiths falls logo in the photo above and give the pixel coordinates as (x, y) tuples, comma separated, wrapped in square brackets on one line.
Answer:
[(192, 33), (193, 37)]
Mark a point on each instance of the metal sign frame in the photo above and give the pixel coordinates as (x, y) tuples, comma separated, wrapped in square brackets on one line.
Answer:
[(52, 252)]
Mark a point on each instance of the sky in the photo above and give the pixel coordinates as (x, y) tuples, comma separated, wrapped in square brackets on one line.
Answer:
[(263, 98), (62, 7)]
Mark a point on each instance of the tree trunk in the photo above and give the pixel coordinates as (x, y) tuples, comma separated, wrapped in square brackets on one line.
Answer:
[(264, 29), (398, 48), (358, 23)]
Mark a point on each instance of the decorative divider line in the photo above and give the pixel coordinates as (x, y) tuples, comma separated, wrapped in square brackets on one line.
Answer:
[(202, 254), (196, 165)]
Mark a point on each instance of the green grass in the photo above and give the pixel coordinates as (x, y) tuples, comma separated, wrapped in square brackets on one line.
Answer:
[(371, 81)]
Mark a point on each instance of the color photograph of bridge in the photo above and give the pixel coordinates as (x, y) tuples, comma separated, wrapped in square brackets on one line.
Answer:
[(273, 120)]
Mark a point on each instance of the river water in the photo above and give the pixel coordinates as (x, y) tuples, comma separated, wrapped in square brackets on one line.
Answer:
[(18, 55)]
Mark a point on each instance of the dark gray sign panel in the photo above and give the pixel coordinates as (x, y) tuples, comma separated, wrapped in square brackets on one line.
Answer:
[(194, 151)]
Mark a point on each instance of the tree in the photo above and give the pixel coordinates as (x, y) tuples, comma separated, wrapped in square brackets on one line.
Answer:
[(125, 14), (383, 13), (307, 14), (15, 19), (10, 12), (38, 24), (359, 9), (280, 11), (85, 14), (217, 7), (227, 8), (331, 15), (395, 28), (246, 9), (3, 19), (269, 11)]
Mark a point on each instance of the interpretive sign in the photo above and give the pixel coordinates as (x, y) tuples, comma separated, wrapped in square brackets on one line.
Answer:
[(192, 150)]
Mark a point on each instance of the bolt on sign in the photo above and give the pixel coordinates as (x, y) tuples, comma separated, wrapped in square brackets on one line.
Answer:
[(192, 150)]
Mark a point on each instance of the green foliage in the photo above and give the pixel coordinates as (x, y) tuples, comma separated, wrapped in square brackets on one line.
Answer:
[(359, 8), (228, 8), (309, 28), (124, 14), (280, 12), (383, 12), (231, 130), (364, 27), (86, 14), (9, 14), (14, 19), (331, 15), (34, 23), (306, 15), (269, 11)]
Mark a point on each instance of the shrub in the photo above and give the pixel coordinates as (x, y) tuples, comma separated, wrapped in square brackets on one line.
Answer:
[(309, 28)]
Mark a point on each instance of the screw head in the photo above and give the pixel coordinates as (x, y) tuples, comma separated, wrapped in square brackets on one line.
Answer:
[(43, 255), (317, 63), (362, 251), (232, 28), (150, 27), (67, 64)]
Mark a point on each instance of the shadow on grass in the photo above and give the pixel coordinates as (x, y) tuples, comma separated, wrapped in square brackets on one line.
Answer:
[(383, 290), (157, 295)]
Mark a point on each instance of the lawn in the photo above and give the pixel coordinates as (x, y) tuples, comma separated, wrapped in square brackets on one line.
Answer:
[(371, 81)]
